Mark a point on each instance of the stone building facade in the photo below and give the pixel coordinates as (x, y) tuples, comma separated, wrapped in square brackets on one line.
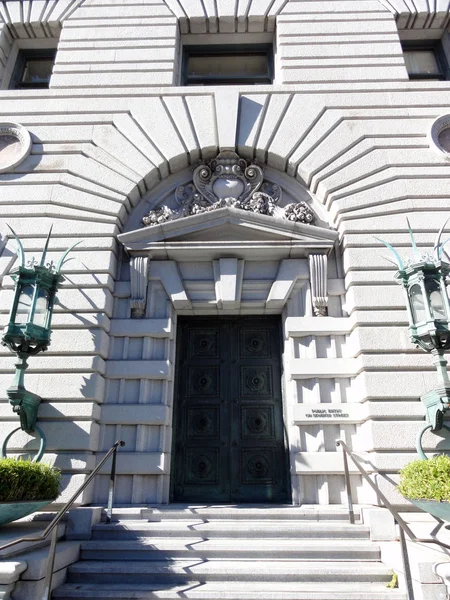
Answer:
[(221, 207)]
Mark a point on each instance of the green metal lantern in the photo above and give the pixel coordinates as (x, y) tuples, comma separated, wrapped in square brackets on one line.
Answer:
[(423, 279), (29, 327)]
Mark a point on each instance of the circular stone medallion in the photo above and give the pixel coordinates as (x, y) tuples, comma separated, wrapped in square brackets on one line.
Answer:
[(439, 136), (15, 145)]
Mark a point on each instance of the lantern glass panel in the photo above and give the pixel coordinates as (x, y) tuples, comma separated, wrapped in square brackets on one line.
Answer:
[(417, 305), (24, 305), (40, 312), (436, 300)]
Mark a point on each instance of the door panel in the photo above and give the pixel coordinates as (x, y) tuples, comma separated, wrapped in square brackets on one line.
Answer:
[(229, 439)]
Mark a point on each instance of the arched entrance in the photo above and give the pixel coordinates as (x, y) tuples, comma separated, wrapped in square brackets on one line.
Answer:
[(235, 249)]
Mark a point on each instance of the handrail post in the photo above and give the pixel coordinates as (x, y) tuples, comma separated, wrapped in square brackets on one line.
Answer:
[(112, 484), (53, 526), (50, 566), (406, 565), (404, 528), (68, 504), (381, 497), (52, 551), (348, 489)]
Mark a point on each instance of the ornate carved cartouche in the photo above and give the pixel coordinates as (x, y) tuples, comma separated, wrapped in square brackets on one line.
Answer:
[(229, 180)]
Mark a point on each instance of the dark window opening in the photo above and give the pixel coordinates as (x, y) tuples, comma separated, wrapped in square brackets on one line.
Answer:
[(426, 61), (230, 65), (33, 69)]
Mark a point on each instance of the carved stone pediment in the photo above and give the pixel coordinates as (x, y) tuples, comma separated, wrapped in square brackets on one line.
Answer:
[(229, 180), (231, 232)]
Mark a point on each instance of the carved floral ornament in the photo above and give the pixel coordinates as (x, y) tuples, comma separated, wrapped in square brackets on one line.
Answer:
[(229, 180)]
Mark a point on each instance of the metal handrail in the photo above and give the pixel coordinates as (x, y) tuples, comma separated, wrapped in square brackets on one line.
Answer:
[(404, 528), (53, 526)]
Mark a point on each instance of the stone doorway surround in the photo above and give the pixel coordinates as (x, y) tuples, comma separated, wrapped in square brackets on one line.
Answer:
[(235, 262)]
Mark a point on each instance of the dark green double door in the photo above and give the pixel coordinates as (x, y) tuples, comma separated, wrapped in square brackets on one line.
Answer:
[(229, 440)]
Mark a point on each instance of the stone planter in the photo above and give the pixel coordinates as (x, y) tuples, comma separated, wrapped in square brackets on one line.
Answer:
[(11, 511), (441, 510)]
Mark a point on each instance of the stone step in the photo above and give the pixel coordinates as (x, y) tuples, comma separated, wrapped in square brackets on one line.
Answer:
[(240, 512), (183, 571), (160, 549), (228, 591), (229, 529)]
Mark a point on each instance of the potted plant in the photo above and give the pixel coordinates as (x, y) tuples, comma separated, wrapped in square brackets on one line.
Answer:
[(426, 483), (25, 487)]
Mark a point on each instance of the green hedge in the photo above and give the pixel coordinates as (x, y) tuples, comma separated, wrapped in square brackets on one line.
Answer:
[(426, 479), (23, 480)]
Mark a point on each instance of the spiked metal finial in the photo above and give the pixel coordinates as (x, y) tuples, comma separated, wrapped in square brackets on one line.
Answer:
[(435, 257)]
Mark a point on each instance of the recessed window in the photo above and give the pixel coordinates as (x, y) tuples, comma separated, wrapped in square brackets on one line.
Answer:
[(426, 62), (230, 65), (33, 69)]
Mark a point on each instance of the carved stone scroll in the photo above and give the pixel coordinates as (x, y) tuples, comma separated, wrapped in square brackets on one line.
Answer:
[(139, 280), (319, 287)]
